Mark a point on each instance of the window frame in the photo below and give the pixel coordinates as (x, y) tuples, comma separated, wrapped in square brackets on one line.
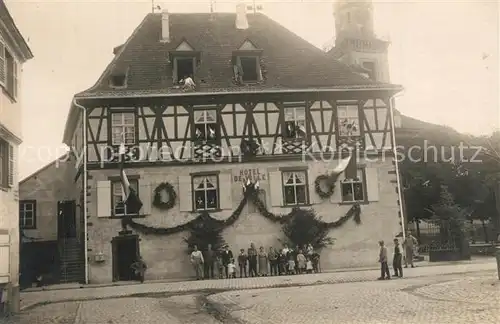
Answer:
[(112, 140), (361, 179), (294, 120), (194, 190), (133, 182), (175, 64), (22, 214), (373, 72), (338, 107), (253, 54), (206, 112), (284, 185)]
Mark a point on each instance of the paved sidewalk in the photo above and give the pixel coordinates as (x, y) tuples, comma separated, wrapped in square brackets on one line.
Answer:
[(30, 299)]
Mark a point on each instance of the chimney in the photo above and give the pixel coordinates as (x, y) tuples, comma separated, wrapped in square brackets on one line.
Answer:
[(165, 26), (241, 16)]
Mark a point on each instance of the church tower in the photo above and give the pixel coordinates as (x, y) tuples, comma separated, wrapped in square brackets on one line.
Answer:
[(356, 43)]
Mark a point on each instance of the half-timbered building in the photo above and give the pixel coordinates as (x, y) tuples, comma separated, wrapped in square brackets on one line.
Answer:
[(210, 103)]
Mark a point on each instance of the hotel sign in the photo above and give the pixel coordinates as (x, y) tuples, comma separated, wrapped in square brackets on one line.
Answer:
[(253, 175)]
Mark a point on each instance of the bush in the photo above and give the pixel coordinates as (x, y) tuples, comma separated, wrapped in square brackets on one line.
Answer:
[(204, 232), (304, 227)]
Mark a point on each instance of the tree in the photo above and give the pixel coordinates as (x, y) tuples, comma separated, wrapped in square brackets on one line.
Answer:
[(451, 220), (205, 231), (304, 227)]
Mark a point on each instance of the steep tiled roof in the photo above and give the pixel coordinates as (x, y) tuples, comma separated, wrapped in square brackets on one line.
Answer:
[(290, 61)]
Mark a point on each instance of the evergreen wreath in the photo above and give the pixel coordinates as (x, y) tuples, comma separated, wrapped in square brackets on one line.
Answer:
[(250, 194), (172, 196), (329, 181)]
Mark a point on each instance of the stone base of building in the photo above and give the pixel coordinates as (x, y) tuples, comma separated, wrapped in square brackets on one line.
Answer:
[(9, 299)]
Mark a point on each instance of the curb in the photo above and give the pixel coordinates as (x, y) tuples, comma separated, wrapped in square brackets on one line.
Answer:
[(220, 290)]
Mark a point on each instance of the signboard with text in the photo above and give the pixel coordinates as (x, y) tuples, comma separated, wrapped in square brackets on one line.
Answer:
[(253, 175)]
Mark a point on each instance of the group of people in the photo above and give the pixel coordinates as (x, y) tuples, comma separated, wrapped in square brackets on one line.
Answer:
[(211, 264), (409, 244)]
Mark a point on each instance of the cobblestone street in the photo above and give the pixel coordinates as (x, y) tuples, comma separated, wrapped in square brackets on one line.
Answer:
[(444, 294), (446, 299)]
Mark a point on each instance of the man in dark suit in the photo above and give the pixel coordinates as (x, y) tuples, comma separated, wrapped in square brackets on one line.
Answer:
[(226, 257), (209, 258)]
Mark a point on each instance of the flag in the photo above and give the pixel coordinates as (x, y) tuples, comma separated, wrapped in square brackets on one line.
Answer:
[(351, 171), (130, 198), (342, 165)]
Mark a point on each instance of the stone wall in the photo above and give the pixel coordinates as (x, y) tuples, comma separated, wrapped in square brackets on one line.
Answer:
[(166, 256)]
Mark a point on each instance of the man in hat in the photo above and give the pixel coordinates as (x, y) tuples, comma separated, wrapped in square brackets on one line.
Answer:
[(384, 267), (226, 257), (409, 243)]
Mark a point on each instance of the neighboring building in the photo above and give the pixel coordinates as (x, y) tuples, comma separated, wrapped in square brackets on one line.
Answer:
[(13, 53), (263, 103)]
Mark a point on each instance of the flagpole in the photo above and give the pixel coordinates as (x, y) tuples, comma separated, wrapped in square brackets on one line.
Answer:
[(396, 164)]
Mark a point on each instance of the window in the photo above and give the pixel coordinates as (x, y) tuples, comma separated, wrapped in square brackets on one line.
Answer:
[(6, 164), (27, 214), (249, 67), (11, 85), (123, 128), (352, 189), (183, 67), (295, 123), (206, 196), (370, 66), (205, 126), (119, 207), (295, 187), (118, 80), (348, 120)]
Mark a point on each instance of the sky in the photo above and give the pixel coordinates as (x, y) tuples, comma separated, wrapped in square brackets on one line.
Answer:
[(444, 53)]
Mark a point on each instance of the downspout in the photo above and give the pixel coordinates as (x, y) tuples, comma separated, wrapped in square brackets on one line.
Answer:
[(85, 198), (396, 164)]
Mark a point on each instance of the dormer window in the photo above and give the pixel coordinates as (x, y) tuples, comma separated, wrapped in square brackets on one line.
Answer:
[(184, 60), (118, 80), (370, 67), (246, 63)]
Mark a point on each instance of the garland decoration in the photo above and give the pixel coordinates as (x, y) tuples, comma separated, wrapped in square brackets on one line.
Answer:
[(329, 181), (172, 196), (199, 222), (251, 193)]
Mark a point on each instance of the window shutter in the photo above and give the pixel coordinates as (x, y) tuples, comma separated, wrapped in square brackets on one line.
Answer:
[(145, 196), (104, 199), (185, 194), (276, 185), (11, 166), (372, 190), (336, 197), (225, 191), (15, 80), (2, 63), (314, 198)]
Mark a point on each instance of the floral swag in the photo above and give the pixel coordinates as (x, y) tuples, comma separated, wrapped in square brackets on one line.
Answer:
[(251, 193)]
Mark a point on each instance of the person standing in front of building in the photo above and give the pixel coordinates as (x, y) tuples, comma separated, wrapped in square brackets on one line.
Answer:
[(397, 261), (384, 267), (197, 262), (409, 243), (263, 262), (273, 261), (227, 256), (242, 262), (252, 261), (209, 258), (301, 262)]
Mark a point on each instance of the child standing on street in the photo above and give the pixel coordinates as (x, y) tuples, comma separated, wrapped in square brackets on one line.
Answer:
[(309, 265), (231, 269)]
